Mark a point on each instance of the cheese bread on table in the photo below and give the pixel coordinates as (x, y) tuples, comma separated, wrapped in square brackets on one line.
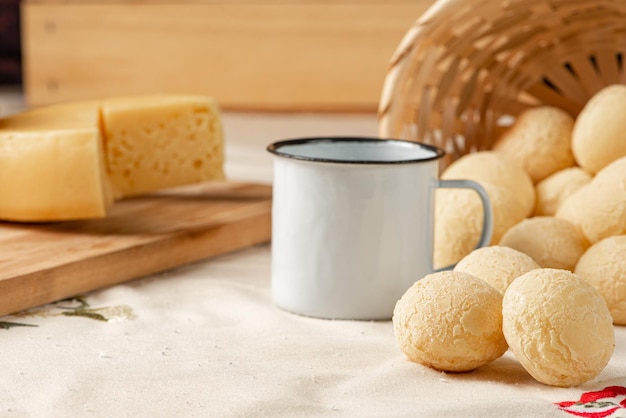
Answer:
[(72, 160), (558, 326), (450, 321)]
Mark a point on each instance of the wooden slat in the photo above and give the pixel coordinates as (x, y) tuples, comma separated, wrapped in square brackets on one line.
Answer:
[(47, 262), (257, 55), (245, 2)]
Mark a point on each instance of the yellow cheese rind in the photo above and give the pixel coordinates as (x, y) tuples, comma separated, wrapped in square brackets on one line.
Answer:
[(52, 175), (155, 142), (60, 116)]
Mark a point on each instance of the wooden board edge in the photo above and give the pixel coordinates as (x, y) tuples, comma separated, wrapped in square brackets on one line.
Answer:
[(102, 271)]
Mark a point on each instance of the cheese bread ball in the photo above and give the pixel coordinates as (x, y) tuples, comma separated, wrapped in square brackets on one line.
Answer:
[(459, 216), (604, 266), (599, 208), (551, 242), (558, 327), (539, 141), (613, 171), (489, 167), (598, 135), (497, 265), (450, 321), (554, 189)]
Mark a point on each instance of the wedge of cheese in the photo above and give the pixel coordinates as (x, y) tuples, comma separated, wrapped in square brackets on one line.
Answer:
[(161, 141), (70, 161)]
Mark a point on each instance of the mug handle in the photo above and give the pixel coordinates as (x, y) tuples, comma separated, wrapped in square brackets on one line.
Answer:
[(485, 236)]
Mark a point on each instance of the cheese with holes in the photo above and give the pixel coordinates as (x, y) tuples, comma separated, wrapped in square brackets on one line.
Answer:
[(70, 161), (154, 142)]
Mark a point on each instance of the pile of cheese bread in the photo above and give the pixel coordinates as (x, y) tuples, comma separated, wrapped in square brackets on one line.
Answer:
[(73, 160), (553, 281)]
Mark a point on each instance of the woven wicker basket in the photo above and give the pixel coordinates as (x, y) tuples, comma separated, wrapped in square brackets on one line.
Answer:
[(466, 64)]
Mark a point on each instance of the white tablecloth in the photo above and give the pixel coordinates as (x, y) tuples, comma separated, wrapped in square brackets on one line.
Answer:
[(205, 340)]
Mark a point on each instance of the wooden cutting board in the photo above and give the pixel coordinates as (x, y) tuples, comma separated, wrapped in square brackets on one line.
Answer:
[(42, 263)]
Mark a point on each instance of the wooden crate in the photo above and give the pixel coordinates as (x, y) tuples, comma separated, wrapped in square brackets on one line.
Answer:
[(312, 55)]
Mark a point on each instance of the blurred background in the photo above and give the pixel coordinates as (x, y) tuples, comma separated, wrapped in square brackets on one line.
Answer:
[(252, 55), (10, 47)]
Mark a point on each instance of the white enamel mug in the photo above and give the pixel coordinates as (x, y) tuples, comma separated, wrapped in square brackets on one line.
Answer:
[(352, 223)]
